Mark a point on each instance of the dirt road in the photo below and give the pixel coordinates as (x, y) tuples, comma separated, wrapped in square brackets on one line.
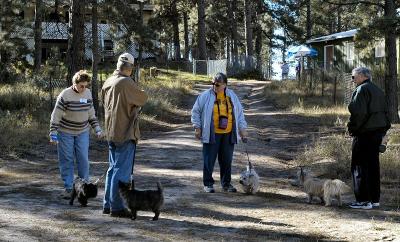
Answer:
[(30, 209)]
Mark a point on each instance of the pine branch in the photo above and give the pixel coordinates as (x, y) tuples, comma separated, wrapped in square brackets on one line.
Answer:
[(355, 3)]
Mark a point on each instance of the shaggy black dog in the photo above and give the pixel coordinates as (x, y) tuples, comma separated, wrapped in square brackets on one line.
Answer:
[(147, 200), (83, 190)]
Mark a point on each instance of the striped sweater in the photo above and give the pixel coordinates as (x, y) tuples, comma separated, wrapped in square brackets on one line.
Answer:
[(74, 112)]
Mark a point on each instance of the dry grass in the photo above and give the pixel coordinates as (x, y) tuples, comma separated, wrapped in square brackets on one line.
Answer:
[(288, 95), (166, 92), (337, 150), (25, 116)]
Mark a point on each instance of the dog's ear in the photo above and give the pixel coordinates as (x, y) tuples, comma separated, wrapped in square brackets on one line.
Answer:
[(301, 174)]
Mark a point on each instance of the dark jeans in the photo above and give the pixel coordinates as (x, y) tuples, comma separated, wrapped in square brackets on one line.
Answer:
[(224, 149), (365, 167)]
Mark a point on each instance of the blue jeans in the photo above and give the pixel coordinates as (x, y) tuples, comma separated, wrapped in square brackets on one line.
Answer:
[(73, 147), (121, 158), (223, 147)]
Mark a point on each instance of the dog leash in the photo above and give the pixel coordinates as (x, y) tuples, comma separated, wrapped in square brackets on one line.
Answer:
[(100, 177), (247, 153)]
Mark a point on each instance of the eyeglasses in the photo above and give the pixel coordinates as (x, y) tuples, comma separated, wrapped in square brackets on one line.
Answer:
[(217, 84), (82, 86)]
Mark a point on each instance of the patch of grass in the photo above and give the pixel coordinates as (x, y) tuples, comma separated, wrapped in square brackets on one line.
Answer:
[(288, 95), (166, 91), (21, 131), (20, 96), (338, 149)]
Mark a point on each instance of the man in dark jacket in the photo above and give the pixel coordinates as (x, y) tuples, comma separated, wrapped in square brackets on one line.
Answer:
[(368, 125)]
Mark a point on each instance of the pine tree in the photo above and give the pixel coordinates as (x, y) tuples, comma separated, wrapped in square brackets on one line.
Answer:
[(76, 39)]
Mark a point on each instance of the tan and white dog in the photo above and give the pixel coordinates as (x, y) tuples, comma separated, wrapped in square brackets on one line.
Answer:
[(249, 180), (325, 189), (335, 189)]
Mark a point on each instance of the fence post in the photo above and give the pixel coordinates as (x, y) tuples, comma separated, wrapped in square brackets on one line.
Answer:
[(334, 90), (322, 83), (51, 92), (194, 67)]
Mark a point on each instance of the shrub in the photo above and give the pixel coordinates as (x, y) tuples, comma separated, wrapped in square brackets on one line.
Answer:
[(20, 131), (20, 96), (336, 148)]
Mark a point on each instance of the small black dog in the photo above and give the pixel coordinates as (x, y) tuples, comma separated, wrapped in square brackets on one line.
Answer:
[(150, 200), (83, 190)]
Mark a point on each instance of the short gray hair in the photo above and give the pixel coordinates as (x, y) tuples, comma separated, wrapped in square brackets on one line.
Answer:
[(220, 77), (363, 71), (121, 65)]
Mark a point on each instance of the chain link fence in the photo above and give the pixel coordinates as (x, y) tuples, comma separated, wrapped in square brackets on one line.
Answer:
[(209, 67)]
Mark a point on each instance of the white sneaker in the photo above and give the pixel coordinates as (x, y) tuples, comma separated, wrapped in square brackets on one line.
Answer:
[(375, 205), (209, 189), (361, 205)]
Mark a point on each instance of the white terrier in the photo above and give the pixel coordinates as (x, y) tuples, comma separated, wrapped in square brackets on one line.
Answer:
[(249, 180), (334, 189)]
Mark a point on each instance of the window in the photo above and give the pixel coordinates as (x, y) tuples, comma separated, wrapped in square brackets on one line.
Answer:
[(350, 51), (380, 49)]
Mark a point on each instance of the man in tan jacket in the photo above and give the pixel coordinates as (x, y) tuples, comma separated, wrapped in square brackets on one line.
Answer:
[(122, 101)]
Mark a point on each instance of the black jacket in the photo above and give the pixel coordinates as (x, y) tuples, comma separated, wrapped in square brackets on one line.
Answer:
[(368, 110)]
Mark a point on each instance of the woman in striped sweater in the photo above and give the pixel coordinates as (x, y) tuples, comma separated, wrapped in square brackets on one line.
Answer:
[(69, 129)]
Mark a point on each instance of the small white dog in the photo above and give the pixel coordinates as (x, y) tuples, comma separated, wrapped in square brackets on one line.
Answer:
[(335, 189), (314, 187), (249, 180), (325, 189)]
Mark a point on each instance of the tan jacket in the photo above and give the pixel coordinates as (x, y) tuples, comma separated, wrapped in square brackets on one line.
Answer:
[(122, 100)]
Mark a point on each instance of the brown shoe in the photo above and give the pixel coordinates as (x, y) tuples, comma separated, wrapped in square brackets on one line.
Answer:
[(124, 213)]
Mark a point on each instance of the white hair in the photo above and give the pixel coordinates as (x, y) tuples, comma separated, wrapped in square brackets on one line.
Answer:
[(363, 71)]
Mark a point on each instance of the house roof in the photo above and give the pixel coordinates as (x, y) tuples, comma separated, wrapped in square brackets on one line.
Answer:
[(340, 35)]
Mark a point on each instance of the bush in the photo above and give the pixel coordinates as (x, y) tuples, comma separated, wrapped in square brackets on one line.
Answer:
[(20, 96), (20, 131), (251, 74), (337, 149)]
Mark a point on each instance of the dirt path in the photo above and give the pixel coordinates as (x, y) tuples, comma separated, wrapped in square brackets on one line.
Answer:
[(30, 209)]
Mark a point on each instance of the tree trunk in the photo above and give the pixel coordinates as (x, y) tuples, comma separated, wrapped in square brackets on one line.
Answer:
[(391, 62), (339, 19), (248, 8), (232, 13), (258, 45), (309, 22), (186, 34), (76, 40), (95, 51), (175, 25), (38, 36), (201, 43), (228, 49), (258, 49)]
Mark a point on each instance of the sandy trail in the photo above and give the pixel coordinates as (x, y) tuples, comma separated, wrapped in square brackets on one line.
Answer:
[(30, 209)]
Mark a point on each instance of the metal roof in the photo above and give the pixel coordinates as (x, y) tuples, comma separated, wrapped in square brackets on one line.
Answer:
[(340, 35)]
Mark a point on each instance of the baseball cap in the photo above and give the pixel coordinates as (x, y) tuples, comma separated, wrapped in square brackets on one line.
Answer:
[(126, 57)]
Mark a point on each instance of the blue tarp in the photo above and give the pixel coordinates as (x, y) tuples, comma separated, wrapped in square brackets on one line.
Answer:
[(301, 50)]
